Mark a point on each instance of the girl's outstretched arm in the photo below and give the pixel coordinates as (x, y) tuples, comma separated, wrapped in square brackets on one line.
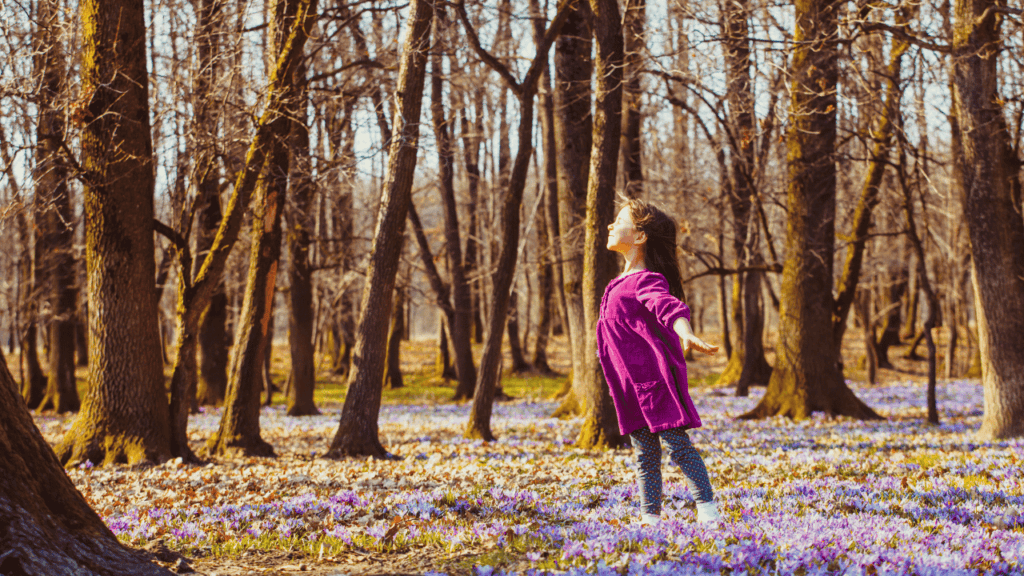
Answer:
[(690, 340)]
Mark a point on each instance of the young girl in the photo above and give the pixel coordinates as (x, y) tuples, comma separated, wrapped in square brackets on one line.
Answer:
[(639, 331)]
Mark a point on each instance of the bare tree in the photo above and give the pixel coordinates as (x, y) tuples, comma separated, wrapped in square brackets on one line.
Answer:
[(239, 430), (357, 432), (806, 377), (991, 197), (479, 425)]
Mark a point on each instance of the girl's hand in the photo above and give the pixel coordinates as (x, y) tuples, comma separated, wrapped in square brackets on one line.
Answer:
[(692, 342)]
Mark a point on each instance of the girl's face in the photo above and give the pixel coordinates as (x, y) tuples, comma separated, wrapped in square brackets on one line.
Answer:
[(622, 234)]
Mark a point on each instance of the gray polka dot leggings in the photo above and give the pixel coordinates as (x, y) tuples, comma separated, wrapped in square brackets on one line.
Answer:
[(683, 454)]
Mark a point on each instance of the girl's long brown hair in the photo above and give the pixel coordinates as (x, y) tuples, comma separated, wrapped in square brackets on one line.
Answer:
[(660, 248)]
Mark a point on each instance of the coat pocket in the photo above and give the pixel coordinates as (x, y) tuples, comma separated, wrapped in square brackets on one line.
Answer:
[(656, 401)]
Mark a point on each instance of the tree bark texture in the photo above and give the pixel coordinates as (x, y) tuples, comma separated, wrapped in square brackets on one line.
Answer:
[(46, 526), (55, 215), (573, 139), (124, 415), (600, 426), (991, 197), (357, 432), (635, 43), (806, 377)]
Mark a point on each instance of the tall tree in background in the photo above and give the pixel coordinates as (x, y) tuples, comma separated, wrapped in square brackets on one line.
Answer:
[(747, 364), (124, 415), (600, 424), (48, 526), (634, 22), (991, 196), (239, 430), (194, 294), (300, 230), (806, 377), (461, 320), (573, 138), (357, 433), (213, 342), (479, 425), (55, 215)]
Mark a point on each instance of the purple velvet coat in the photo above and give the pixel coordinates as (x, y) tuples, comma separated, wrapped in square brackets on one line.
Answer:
[(641, 354)]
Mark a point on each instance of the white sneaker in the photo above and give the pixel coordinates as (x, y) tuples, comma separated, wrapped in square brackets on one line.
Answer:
[(648, 519), (708, 512)]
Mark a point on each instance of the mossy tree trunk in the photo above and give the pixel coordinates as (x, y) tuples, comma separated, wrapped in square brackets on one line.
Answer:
[(878, 161), (991, 197), (47, 526), (600, 428), (55, 215), (239, 431), (479, 425), (573, 129), (357, 433), (806, 377), (196, 295), (124, 417)]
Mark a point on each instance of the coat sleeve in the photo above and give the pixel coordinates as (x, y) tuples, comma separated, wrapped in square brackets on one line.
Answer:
[(652, 292)]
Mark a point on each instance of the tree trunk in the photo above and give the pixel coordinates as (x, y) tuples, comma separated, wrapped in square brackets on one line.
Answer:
[(48, 527), (747, 364), (393, 364), (212, 345), (519, 364), (472, 135), (479, 425), (55, 216), (573, 136), (443, 363), (33, 384), (550, 272), (862, 308), (881, 135), (302, 380), (894, 288), (239, 431), (806, 377), (600, 426), (124, 415), (357, 432), (991, 197), (633, 24), (462, 299), (198, 293)]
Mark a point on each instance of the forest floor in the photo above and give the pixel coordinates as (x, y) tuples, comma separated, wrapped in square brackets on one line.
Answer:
[(821, 496)]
